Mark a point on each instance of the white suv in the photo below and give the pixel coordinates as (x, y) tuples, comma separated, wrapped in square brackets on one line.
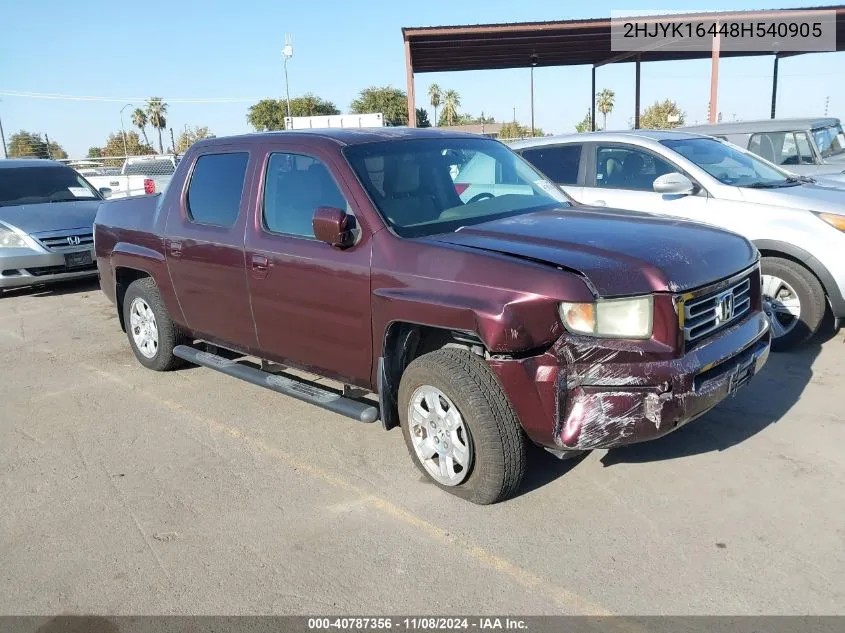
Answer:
[(797, 225)]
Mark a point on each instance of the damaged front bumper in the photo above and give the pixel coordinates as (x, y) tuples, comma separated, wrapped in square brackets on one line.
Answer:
[(586, 394)]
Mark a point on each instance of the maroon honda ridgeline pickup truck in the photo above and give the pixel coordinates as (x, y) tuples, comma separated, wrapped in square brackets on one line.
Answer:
[(485, 310)]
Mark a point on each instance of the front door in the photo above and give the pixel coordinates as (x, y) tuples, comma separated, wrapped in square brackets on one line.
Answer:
[(311, 301), (622, 177), (205, 248)]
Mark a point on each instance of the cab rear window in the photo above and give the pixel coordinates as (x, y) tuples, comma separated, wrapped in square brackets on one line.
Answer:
[(214, 194)]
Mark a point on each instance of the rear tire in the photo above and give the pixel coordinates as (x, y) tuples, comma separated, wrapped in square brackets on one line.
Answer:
[(479, 419), (151, 332), (789, 288)]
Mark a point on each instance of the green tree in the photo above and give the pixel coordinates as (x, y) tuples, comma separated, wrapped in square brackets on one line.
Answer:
[(139, 120), (57, 151), (391, 102), (512, 129), (114, 147), (95, 152), (269, 114), (156, 115), (422, 118), (656, 116), (586, 124), (605, 100), (451, 103), (24, 144), (191, 136), (434, 96)]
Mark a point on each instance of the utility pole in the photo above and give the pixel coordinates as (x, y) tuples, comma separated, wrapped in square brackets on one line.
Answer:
[(49, 153), (3, 137), (534, 60), (123, 129), (287, 53), (172, 142), (826, 104)]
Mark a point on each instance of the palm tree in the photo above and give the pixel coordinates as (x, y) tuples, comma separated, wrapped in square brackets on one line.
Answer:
[(451, 103), (139, 120), (435, 95), (156, 109), (604, 102)]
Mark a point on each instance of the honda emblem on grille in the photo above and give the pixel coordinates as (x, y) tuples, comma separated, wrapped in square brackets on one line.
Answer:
[(724, 307), (74, 240)]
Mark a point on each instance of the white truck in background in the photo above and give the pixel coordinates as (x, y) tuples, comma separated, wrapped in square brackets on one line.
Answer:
[(375, 119), (139, 175), (110, 182)]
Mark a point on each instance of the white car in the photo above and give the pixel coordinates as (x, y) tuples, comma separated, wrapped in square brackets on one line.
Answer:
[(798, 226)]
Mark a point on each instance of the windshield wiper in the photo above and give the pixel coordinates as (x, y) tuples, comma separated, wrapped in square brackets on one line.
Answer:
[(786, 182), (801, 179)]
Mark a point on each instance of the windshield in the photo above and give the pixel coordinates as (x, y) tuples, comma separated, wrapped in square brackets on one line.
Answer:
[(830, 140), (728, 164), (38, 185), (427, 186)]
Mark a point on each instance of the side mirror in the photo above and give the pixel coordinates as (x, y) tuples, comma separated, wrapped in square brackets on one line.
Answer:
[(333, 226), (674, 183), (105, 192)]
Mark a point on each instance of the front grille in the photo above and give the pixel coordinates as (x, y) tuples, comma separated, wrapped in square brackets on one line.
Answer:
[(710, 313), (66, 240), (39, 271)]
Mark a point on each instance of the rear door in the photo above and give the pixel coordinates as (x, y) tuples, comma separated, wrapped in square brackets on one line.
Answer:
[(311, 301), (622, 176), (561, 164), (205, 247)]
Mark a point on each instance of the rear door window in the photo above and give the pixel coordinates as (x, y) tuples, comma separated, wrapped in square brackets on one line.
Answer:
[(782, 148), (560, 163), (214, 194)]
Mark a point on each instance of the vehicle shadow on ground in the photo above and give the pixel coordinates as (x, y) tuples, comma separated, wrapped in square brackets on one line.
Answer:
[(55, 289), (764, 401)]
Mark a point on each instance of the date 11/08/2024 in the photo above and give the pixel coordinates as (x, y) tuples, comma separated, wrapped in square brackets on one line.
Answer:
[(418, 623)]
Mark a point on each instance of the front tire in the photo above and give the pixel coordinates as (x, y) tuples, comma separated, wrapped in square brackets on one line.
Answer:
[(152, 333), (460, 428), (794, 301)]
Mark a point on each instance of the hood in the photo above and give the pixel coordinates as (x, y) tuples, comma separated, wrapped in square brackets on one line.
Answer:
[(837, 160), (823, 195), (619, 252), (51, 216), (830, 179)]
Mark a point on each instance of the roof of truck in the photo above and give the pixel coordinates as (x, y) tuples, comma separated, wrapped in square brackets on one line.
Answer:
[(344, 136), (764, 125)]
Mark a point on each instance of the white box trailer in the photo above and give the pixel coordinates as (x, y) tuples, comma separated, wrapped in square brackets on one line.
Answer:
[(375, 119)]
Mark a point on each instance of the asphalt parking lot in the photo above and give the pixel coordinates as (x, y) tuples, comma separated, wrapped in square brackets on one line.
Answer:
[(125, 491)]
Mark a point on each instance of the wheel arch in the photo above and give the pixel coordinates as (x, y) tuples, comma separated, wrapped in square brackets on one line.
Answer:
[(123, 277), (774, 248), (403, 341)]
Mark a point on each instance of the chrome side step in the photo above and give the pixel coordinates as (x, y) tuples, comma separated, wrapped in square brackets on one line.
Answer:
[(287, 385)]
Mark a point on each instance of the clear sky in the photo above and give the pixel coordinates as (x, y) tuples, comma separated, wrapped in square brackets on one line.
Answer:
[(186, 50)]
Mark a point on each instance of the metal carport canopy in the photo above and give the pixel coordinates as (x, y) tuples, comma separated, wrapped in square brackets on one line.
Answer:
[(567, 43)]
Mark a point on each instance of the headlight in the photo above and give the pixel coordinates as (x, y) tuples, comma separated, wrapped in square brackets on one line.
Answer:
[(836, 221), (10, 239), (612, 318)]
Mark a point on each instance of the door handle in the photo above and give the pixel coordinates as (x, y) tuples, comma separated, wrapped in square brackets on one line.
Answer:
[(600, 203), (176, 248), (260, 266)]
